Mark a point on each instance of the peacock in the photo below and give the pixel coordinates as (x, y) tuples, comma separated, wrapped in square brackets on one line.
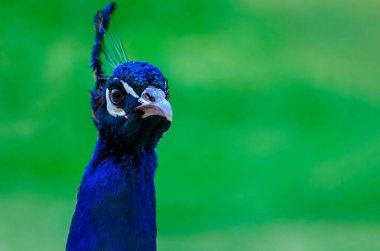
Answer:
[(116, 205)]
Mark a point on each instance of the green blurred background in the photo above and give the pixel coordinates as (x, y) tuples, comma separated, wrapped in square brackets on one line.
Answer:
[(275, 143)]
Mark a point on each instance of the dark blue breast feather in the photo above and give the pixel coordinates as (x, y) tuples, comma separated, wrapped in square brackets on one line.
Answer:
[(116, 204)]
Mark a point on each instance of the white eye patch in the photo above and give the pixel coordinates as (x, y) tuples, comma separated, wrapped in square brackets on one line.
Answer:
[(111, 108), (114, 110), (129, 89)]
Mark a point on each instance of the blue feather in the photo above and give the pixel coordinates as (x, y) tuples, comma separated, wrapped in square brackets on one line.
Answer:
[(116, 203), (101, 23)]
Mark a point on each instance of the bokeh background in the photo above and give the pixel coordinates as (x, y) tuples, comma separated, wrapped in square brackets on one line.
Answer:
[(275, 143)]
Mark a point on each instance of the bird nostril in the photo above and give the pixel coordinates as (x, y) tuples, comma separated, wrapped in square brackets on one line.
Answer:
[(149, 97)]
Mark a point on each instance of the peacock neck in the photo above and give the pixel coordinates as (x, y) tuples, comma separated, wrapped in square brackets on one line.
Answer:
[(116, 202)]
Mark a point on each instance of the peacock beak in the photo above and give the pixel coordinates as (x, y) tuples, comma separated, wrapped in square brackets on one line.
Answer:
[(153, 102)]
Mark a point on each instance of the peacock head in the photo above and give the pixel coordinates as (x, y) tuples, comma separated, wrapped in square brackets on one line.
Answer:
[(132, 109), (130, 102)]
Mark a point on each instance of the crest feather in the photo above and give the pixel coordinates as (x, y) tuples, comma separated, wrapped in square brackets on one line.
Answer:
[(107, 54)]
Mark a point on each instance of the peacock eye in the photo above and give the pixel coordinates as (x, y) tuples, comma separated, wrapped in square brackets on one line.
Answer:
[(116, 96)]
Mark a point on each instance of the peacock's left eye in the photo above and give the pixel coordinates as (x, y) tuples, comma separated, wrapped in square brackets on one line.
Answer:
[(116, 96)]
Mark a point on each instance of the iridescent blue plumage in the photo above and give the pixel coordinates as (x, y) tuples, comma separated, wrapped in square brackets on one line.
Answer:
[(141, 74), (116, 203), (116, 199)]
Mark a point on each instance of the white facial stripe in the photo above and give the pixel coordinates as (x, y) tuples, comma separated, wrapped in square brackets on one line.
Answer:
[(129, 89), (111, 108)]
